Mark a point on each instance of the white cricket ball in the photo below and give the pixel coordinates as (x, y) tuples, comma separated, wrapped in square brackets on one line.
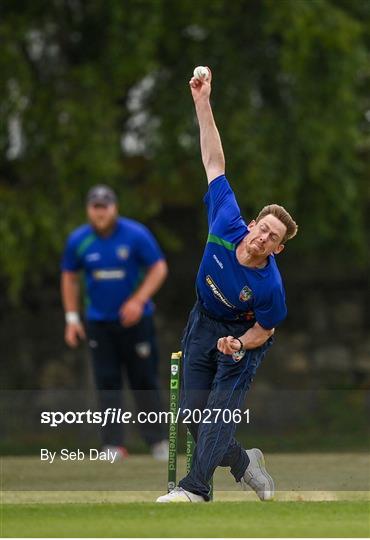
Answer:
[(201, 72)]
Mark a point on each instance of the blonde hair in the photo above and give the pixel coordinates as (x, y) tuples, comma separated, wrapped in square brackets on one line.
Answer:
[(282, 215)]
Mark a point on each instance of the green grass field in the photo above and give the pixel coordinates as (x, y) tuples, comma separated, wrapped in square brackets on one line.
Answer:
[(319, 495), (219, 519)]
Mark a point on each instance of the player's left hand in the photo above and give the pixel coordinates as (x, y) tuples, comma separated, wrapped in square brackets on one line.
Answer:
[(228, 345), (131, 312)]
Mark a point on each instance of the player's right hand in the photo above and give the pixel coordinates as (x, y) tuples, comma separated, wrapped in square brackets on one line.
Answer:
[(228, 345), (73, 334), (201, 88)]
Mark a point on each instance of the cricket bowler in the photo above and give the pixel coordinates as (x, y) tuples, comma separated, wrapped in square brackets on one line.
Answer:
[(240, 301)]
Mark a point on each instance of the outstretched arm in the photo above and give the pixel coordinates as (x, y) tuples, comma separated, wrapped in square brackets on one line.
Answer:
[(210, 141)]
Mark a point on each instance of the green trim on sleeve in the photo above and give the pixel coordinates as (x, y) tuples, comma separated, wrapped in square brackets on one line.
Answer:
[(85, 244), (212, 238)]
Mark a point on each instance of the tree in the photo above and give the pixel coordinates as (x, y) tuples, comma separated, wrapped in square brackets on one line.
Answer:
[(97, 91)]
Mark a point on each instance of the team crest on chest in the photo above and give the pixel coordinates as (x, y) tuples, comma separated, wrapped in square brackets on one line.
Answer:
[(123, 252), (245, 294)]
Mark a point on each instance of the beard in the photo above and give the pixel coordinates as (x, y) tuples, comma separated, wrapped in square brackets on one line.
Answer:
[(103, 226)]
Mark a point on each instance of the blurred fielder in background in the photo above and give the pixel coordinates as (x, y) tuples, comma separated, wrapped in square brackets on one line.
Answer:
[(123, 267), (240, 301)]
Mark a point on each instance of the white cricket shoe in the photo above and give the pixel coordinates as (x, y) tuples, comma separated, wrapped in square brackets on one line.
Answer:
[(159, 450), (178, 495), (257, 477)]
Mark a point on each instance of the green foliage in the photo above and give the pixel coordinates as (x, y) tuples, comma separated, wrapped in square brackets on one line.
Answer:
[(290, 95)]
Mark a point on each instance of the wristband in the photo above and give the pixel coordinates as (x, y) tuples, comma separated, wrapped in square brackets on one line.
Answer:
[(238, 355), (72, 317), (241, 343)]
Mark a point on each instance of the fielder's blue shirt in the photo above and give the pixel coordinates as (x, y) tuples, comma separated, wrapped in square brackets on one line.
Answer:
[(225, 288), (113, 266)]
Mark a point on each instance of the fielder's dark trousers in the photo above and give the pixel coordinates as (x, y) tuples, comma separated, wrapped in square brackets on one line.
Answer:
[(212, 380), (115, 350)]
